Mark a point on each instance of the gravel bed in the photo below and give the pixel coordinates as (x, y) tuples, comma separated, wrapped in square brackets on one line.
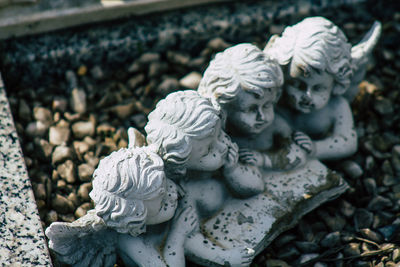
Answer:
[(64, 135)]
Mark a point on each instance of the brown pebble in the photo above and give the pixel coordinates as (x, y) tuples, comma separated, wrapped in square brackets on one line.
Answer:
[(83, 191), (85, 172), (67, 171), (62, 205)]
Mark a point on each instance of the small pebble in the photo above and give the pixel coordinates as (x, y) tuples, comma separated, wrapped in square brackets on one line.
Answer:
[(67, 171), (167, 86), (218, 44), (371, 235), (80, 148), (24, 111), (331, 240), (123, 111), (178, 58), (352, 169), (307, 257), (363, 219), (58, 135), (191, 80), (276, 263), (379, 203), (83, 191), (346, 208), (288, 252), (396, 255), (82, 129), (91, 159), (61, 153), (85, 172), (45, 148), (39, 191), (97, 73), (78, 101), (352, 249), (306, 246), (43, 114), (82, 210), (36, 129), (62, 205), (74, 199), (51, 217), (147, 58), (135, 81), (370, 186), (59, 104)]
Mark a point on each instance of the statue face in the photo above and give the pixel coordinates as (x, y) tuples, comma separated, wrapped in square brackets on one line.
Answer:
[(251, 113), (162, 207), (309, 92), (209, 154)]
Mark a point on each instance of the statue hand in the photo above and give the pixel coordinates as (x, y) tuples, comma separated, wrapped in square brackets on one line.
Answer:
[(304, 141), (251, 157), (241, 257), (232, 156)]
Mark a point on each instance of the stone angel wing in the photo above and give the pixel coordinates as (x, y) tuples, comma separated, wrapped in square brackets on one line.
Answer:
[(360, 55), (135, 138), (84, 242)]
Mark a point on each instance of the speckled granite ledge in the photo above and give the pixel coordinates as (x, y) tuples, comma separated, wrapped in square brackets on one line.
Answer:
[(22, 241)]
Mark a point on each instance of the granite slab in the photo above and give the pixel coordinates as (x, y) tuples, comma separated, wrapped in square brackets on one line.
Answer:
[(22, 241)]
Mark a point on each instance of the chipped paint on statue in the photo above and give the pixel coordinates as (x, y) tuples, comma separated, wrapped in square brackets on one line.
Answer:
[(319, 65), (245, 85)]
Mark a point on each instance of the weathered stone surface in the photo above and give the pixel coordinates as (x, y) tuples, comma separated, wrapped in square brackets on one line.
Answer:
[(249, 222)]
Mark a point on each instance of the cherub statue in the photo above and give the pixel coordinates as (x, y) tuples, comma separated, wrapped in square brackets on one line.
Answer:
[(133, 200), (186, 131), (320, 66), (245, 85)]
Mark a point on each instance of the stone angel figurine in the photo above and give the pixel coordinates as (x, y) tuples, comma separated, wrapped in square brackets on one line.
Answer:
[(186, 131), (134, 202), (245, 85), (320, 65)]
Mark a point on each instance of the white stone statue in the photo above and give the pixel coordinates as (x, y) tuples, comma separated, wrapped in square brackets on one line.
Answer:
[(320, 65), (186, 130), (245, 85), (133, 200), (236, 195)]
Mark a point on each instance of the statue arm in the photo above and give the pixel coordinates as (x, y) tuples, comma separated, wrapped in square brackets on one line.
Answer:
[(244, 180), (185, 222), (199, 247), (134, 249), (343, 140)]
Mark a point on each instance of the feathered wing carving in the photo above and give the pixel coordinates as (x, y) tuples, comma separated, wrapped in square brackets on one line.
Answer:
[(360, 55), (84, 242)]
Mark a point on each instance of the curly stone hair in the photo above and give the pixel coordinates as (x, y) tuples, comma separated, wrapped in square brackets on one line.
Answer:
[(178, 119), (314, 43), (240, 67), (122, 181)]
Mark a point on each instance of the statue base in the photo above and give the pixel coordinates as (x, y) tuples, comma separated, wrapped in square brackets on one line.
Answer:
[(255, 222)]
